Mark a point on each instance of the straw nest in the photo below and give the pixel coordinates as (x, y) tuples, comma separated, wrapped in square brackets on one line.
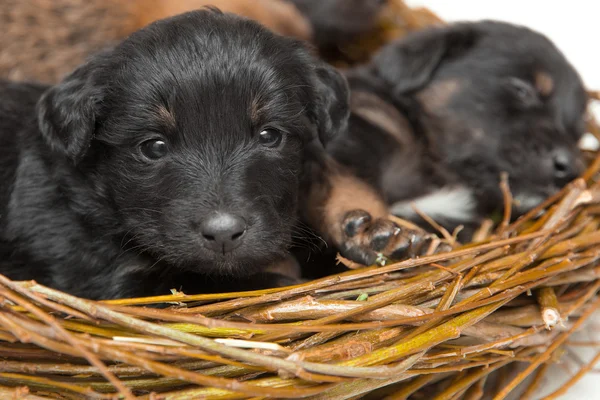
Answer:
[(444, 326)]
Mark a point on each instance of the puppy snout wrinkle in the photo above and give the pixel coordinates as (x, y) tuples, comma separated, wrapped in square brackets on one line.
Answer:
[(223, 231)]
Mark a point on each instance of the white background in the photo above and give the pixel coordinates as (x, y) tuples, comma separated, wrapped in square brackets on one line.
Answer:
[(573, 25)]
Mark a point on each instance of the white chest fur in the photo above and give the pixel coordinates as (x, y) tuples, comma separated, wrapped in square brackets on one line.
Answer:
[(449, 203)]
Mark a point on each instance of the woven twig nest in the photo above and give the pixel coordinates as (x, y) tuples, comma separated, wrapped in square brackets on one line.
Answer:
[(440, 326)]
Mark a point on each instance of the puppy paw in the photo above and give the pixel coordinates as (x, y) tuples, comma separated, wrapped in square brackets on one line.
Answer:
[(370, 241)]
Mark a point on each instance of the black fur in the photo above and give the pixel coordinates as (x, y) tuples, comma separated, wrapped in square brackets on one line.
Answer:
[(336, 22), (84, 211), (494, 118)]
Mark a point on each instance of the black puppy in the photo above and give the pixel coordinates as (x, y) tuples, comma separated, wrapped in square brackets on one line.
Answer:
[(167, 162), (439, 115)]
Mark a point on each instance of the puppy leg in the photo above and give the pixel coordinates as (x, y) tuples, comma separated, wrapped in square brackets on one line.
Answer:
[(351, 215)]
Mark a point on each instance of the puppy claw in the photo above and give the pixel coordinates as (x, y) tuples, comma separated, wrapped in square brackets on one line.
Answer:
[(356, 222), (376, 242)]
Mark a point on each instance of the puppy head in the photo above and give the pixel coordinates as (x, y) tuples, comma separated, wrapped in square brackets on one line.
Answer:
[(194, 130), (493, 98)]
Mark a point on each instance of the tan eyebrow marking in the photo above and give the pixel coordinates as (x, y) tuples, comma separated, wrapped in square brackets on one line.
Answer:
[(166, 116), (255, 111), (544, 83)]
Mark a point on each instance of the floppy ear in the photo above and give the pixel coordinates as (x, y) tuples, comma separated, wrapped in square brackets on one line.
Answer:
[(409, 64), (67, 113), (333, 108)]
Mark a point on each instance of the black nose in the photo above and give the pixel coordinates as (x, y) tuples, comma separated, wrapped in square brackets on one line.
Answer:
[(223, 232), (566, 166)]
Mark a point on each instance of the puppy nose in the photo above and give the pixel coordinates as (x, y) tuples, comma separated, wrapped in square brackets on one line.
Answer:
[(223, 231), (566, 166)]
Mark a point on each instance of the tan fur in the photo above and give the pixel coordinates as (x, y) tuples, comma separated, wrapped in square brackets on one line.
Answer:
[(381, 114), (166, 117), (544, 83), (329, 201), (434, 99), (255, 110), (43, 40), (438, 95)]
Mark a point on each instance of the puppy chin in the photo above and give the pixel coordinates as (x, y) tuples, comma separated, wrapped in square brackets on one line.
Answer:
[(235, 264)]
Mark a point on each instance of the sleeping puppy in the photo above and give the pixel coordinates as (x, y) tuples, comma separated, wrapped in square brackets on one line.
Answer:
[(171, 161), (439, 115)]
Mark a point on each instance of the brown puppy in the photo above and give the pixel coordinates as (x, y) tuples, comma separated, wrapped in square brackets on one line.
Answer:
[(43, 40)]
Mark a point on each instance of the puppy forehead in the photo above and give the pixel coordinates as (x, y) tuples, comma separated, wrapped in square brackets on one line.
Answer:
[(501, 48), (507, 51), (244, 95), (255, 92), (208, 71), (200, 111), (208, 45)]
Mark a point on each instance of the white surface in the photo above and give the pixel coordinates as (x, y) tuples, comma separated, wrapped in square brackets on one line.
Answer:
[(573, 26)]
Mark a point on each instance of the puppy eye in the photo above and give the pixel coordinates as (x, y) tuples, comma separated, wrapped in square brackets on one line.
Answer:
[(270, 137), (154, 149), (525, 92)]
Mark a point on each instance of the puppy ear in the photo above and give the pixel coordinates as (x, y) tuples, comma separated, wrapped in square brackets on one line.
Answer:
[(409, 64), (67, 113), (333, 108)]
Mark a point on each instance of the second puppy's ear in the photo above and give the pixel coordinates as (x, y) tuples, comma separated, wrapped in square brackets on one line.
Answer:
[(333, 105), (67, 113), (410, 63)]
